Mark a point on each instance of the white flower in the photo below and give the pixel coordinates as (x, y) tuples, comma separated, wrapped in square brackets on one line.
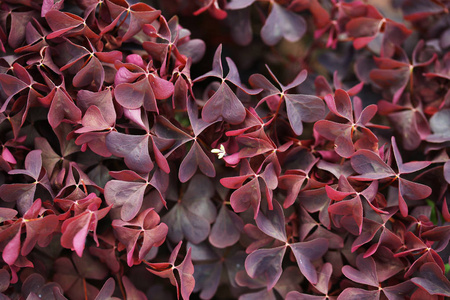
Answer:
[(220, 152)]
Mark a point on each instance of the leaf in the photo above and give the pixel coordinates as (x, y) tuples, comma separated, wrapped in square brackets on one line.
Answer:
[(133, 148), (62, 23), (340, 104), (135, 95), (92, 75), (292, 183), (192, 215), (35, 287), (432, 280), (408, 167), (185, 270), (370, 166), (196, 158), (438, 122), (102, 100), (140, 235), (75, 230), (139, 13), (23, 193), (226, 104), (316, 201), (305, 253), (184, 223), (282, 23), (366, 274), (357, 294), (62, 108), (266, 263), (70, 275), (126, 195), (131, 291), (246, 196), (303, 108), (272, 223), (226, 230), (107, 290)]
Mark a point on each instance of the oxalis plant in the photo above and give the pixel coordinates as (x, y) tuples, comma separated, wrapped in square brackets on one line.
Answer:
[(224, 149)]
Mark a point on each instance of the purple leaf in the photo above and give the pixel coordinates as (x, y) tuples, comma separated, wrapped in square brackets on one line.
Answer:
[(432, 280), (282, 23), (246, 196), (135, 95), (191, 217), (107, 290), (358, 294), (226, 104), (303, 108), (272, 223), (134, 148), (305, 253), (366, 274), (146, 226), (370, 166), (196, 158), (62, 108), (266, 263), (126, 195), (226, 230), (131, 291)]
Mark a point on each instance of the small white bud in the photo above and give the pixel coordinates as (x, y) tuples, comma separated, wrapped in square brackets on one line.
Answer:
[(220, 152)]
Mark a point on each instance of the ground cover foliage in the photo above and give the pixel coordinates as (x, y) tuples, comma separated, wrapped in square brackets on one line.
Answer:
[(251, 149)]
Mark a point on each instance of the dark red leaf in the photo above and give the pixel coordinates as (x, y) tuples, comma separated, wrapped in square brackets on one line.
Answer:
[(226, 230), (146, 226), (432, 280), (305, 253), (133, 148), (266, 263), (282, 23)]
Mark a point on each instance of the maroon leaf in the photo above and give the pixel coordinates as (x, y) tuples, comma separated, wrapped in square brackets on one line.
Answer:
[(305, 253), (10, 86), (355, 293), (23, 193), (62, 108), (64, 23), (75, 230), (185, 270), (303, 108), (128, 195), (139, 13), (196, 158), (133, 148), (370, 166), (432, 280), (282, 23), (226, 230), (226, 104), (146, 227), (266, 263), (107, 290), (366, 274), (272, 223), (192, 215)]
